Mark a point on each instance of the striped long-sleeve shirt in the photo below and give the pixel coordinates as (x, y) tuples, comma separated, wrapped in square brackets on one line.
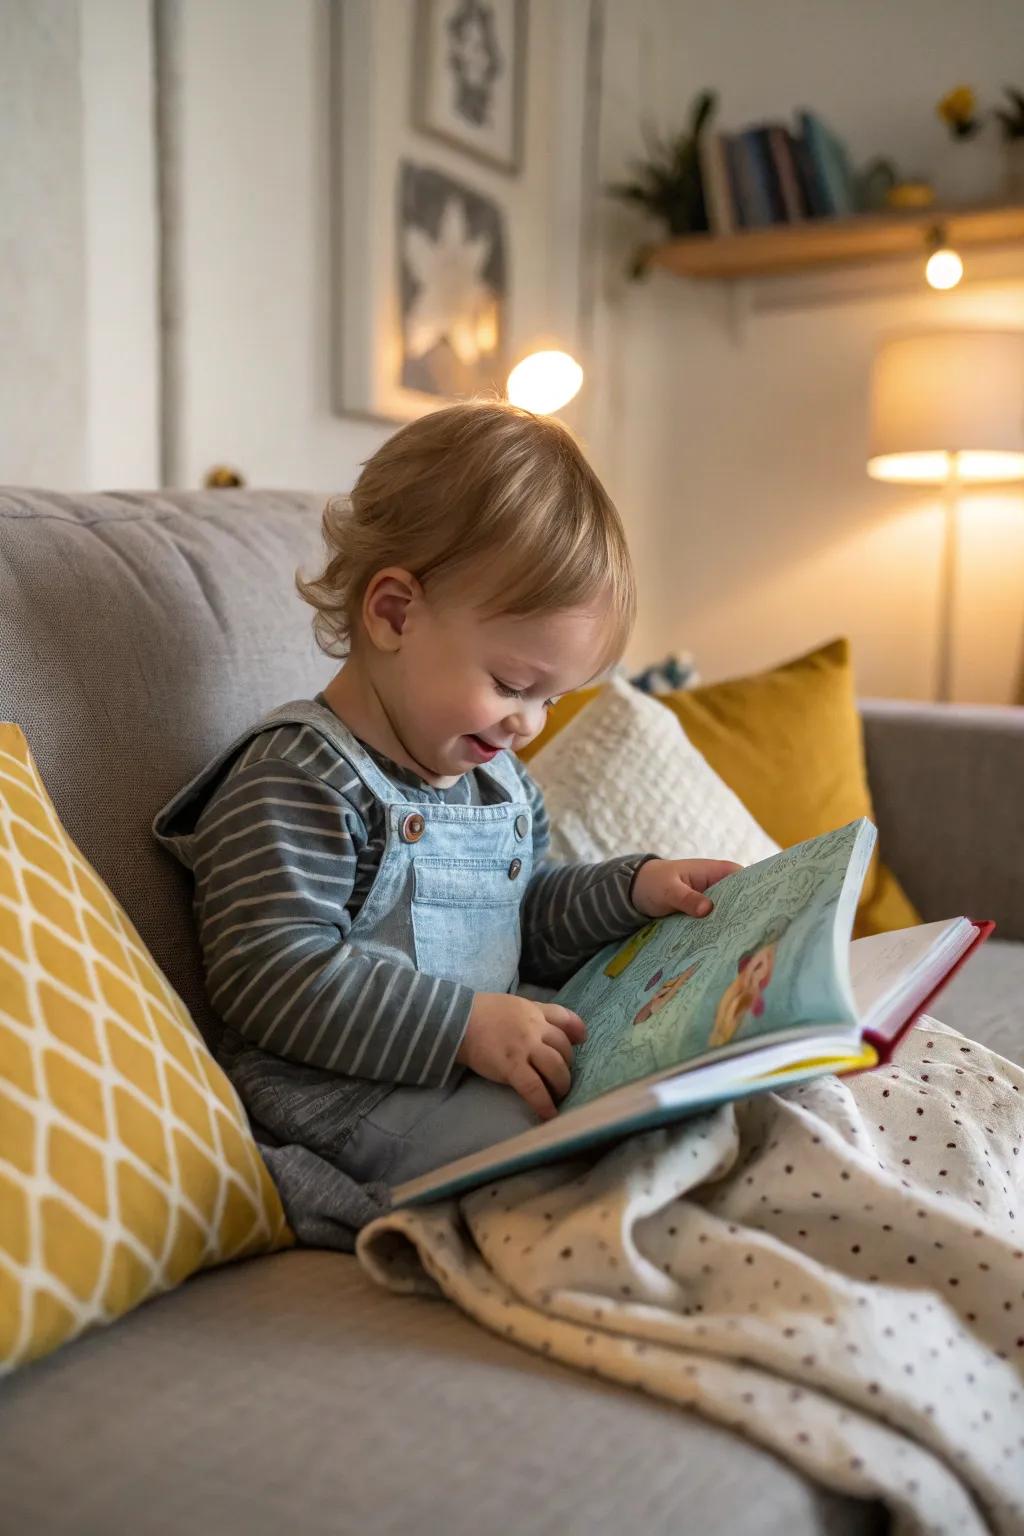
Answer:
[(283, 854)]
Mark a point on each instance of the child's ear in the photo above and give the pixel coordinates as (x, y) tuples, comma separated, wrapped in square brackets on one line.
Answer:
[(386, 602)]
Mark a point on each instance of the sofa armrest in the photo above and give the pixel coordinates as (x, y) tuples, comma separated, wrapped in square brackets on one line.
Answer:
[(947, 782)]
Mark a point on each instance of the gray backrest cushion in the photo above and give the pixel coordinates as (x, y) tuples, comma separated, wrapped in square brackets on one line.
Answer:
[(138, 634)]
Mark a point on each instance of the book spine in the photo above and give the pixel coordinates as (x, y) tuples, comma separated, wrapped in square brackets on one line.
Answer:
[(735, 161), (753, 190), (769, 174), (842, 175), (817, 148), (716, 181), (807, 177), (780, 142)]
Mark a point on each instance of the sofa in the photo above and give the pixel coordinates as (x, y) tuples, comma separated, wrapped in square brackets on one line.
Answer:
[(138, 633)]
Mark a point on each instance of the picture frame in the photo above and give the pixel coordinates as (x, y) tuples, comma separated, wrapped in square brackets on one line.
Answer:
[(469, 77), (451, 252)]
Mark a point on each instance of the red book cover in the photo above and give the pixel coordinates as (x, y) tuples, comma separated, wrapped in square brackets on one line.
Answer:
[(884, 1045)]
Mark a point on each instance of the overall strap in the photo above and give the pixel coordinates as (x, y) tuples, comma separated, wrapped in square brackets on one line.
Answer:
[(300, 712), (326, 723)]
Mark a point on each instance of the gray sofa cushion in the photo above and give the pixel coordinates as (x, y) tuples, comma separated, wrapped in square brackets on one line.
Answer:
[(138, 634), (288, 1394), (984, 1000)]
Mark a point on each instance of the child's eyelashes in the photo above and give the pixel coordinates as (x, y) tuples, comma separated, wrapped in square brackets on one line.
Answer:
[(508, 692)]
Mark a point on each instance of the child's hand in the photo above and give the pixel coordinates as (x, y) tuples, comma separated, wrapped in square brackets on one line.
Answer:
[(678, 885), (525, 1044)]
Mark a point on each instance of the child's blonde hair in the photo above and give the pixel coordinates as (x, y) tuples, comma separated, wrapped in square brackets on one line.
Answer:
[(486, 485)]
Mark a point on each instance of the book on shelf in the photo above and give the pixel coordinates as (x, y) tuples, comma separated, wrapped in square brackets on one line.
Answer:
[(782, 149), (716, 183), (751, 196), (761, 203), (830, 166), (768, 171), (767, 991), (767, 175)]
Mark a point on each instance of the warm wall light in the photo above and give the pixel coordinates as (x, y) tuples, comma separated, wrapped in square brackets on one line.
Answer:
[(544, 382), (948, 409)]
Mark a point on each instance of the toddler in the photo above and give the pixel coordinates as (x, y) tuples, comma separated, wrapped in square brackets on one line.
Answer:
[(370, 868)]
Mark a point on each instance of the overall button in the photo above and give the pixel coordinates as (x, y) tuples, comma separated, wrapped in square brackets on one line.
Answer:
[(514, 868), (413, 828), (522, 826)]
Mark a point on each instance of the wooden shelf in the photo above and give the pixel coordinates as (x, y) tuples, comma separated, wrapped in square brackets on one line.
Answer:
[(868, 237)]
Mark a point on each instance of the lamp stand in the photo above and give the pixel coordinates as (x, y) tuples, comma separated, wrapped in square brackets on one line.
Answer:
[(947, 582)]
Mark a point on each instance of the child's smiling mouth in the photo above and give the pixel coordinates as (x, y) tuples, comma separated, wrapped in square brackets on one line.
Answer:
[(482, 750)]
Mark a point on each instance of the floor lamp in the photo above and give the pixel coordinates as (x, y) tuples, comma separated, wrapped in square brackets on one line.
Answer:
[(947, 409)]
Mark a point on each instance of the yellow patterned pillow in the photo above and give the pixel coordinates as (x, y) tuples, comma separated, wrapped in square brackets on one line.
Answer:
[(126, 1162)]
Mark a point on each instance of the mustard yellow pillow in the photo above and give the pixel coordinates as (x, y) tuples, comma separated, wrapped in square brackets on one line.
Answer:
[(789, 743), (126, 1162)]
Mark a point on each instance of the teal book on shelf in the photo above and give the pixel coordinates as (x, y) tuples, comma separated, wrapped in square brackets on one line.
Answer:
[(830, 166)]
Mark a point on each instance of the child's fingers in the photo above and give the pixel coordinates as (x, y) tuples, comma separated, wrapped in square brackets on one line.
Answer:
[(709, 871), (557, 1038), (529, 1085), (553, 1068), (566, 1020), (686, 899)]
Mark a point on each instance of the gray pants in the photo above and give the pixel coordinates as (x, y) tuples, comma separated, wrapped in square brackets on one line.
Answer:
[(416, 1129), (335, 1148)]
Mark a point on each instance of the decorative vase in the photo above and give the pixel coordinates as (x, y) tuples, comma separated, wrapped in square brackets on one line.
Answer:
[(969, 172), (1013, 170)]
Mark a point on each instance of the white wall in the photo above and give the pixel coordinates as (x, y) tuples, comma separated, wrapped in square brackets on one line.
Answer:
[(737, 455), (78, 357), (42, 280), (253, 244), (121, 237)]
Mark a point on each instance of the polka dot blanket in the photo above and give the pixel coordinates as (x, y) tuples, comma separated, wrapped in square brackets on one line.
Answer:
[(836, 1272)]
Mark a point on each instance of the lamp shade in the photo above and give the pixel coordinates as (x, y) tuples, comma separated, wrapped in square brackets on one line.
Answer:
[(949, 393)]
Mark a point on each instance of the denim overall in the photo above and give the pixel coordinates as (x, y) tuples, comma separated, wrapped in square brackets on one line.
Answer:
[(446, 900)]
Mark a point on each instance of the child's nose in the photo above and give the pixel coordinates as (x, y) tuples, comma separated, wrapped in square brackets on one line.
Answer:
[(526, 719)]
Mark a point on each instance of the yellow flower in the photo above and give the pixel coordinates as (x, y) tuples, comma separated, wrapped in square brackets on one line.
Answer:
[(958, 108)]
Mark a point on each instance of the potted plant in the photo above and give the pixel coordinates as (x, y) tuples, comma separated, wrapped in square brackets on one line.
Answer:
[(1011, 121), (667, 185), (969, 173)]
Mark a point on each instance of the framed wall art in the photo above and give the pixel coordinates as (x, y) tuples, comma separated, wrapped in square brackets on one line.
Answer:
[(469, 76), (452, 273)]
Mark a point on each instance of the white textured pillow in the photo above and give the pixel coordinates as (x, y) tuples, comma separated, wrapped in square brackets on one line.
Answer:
[(622, 777)]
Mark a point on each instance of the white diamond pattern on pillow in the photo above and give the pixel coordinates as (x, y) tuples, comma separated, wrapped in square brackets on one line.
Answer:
[(622, 777)]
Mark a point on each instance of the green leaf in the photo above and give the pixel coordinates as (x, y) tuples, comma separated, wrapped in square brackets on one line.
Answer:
[(703, 110)]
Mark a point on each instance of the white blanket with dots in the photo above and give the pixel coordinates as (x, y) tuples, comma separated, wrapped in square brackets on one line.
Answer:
[(836, 1272)]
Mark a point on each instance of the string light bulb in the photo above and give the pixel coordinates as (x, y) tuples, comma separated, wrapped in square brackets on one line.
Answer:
[(943, 269)]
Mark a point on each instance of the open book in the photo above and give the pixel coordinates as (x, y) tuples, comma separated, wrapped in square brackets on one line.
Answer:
[(766, 991)]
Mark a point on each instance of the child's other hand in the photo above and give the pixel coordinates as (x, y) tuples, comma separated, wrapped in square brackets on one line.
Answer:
[(678, 885), (525, 1044)]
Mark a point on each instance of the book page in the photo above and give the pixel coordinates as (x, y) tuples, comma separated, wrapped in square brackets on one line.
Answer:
[(890, 971), (771, 957)]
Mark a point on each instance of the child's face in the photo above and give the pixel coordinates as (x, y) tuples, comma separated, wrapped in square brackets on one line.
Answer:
[(469, 686)]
